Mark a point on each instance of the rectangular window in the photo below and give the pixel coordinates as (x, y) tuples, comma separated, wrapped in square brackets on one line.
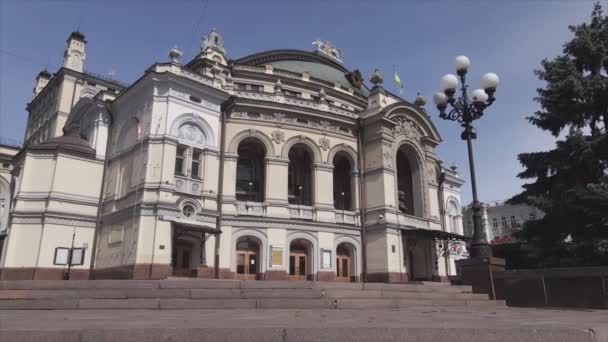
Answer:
[(115, 235), (77, 256), (180, 160), (495, 222), (61, 256), (504, 222), (196, 163), (514, 222)]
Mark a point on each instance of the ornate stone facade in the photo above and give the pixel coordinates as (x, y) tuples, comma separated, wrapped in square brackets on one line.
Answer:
[(286, 153)]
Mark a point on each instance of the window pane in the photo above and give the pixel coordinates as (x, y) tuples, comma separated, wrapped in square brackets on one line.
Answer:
[(345, 267), (252, 264), (292, 265), (240, 263), (302, 266)]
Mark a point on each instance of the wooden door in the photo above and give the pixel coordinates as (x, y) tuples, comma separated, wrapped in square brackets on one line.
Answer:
[(298, 263), (343, 268), (182, 260), (246, 265)]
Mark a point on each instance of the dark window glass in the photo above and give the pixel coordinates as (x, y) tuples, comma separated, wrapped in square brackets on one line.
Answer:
[(252, 264), (240, 264), (405, 186), (342, 183), (302, 266), (299, 181), (250, 176), (292, 265), (345, 267), (196, 163), (179, 160)]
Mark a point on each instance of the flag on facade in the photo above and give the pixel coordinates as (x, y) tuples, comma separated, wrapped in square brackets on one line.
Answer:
[(398, 84)]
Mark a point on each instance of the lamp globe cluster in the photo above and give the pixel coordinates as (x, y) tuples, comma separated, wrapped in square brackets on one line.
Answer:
[(449, 82)]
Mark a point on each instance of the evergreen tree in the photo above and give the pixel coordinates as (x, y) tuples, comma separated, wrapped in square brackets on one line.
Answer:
[(570, 181)]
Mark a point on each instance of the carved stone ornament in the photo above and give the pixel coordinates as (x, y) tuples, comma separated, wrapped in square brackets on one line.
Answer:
[(324, 143), (191, 133), (386, 152), (278, 137), (431, 172), (407, 128)]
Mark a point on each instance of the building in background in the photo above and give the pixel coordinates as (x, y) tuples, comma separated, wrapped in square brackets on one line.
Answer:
[(8, 150), (501, 220), (278, 165)]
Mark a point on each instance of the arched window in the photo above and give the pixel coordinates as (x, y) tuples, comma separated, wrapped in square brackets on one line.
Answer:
[(453, 214), (405, 183), (299, 183), (250, 173), (342, 182)]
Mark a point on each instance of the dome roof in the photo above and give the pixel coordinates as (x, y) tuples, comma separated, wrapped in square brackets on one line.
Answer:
[(298, 61)]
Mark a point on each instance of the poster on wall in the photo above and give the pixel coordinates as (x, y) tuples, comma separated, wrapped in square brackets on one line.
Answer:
[(325, 258)]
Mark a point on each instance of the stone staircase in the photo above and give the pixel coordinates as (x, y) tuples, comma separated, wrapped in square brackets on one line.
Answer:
[(184, 294)]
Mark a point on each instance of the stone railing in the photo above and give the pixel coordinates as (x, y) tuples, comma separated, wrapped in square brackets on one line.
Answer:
[(412, 221), (347, 217), (250, 208), (302, 212)]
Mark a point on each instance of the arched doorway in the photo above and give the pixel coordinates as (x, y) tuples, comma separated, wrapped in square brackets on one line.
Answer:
[(300, 263), (299, 183), (342, 182), (247, 258), (345, 262), (250, 171)]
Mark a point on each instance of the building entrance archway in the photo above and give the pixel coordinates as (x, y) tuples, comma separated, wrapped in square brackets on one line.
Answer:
[(247, 258), (299, 259), (345, 266)]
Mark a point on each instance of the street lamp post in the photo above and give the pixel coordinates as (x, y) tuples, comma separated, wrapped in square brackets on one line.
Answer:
[(465, 110)]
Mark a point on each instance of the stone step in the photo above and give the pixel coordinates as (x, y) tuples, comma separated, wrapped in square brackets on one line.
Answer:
[(228, 293), (340, 293), (228, 303), (219, 284)]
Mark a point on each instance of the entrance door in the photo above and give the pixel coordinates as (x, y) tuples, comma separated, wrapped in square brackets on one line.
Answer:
[(297, 266), (342, 268), (182, 260), (246, 265)]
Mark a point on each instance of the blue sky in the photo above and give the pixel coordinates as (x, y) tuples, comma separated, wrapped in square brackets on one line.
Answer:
[(420, 37)]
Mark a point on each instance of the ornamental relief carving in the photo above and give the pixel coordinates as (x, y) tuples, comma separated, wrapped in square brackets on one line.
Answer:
[(406, 128), (387, 148), (295, 120), (191, 133), (324, 143), (431, 171), (278, 137)]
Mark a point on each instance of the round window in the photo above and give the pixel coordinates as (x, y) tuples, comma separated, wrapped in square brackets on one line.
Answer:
[(188, 210)]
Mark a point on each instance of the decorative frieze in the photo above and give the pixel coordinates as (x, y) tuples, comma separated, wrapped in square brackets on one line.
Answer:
[(278, 137)]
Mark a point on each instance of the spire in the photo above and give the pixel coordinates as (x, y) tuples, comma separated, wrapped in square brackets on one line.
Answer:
[(212, 48), (74, 55), (214, 41), (41, 81)]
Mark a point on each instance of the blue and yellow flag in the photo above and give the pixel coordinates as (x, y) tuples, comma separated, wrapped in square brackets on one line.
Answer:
[(398, 84)]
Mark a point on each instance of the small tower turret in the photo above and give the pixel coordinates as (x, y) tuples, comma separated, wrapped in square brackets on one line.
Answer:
[(213, 48), (42, 80), (74, 55)]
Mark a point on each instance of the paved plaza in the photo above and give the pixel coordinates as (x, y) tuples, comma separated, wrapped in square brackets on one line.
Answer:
[(414, 324)]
